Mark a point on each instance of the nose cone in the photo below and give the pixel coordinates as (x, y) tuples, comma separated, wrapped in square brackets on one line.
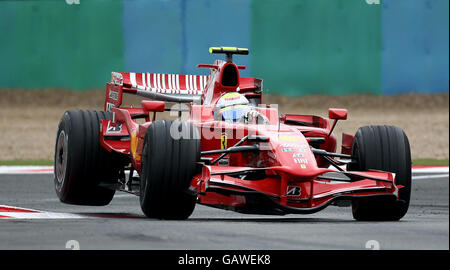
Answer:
[(294, 154)]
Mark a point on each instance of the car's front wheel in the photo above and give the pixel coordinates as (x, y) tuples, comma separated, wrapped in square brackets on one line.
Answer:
[(383, 148)]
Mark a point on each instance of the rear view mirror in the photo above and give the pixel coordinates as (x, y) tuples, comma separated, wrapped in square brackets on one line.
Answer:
[(338, 114)]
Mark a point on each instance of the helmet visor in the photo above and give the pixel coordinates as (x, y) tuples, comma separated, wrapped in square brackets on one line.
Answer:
[(234, 113)]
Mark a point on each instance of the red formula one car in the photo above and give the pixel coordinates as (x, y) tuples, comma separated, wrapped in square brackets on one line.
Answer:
[(225, 149)]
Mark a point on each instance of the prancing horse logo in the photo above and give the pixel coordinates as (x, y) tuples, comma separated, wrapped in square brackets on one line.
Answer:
[(223, 141)]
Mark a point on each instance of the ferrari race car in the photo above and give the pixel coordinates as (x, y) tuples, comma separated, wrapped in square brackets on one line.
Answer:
[(224, 148)]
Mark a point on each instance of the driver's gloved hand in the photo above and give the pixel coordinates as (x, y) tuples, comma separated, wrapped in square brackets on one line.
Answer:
[(256, 117)]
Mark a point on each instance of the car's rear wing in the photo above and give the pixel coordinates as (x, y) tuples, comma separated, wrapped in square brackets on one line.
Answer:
[(163, 87)]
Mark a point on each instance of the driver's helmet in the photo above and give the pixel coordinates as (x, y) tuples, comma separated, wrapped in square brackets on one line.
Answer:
[(231, 107)]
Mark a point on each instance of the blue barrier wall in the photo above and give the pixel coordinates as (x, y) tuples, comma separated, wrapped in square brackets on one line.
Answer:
[(297, 46), (415, 45), (174, 36)]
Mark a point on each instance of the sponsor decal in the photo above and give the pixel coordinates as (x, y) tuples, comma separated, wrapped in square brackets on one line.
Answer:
[(289, 138), (287, 149), (223, 141), (297, 155), (293, 191), (297, 147), (116, 78), (303, 166), (113, 95), (288, 145), (300, 160), (109, 106), (114, 129)]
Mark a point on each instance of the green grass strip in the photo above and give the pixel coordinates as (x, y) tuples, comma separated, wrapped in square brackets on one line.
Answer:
[(430, 161), (33, 162)]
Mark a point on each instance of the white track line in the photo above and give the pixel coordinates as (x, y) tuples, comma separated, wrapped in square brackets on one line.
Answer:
[(429, 176)]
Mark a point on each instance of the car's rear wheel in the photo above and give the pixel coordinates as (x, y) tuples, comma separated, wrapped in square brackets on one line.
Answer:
[(383, 148), (80, 163), (171, 151)]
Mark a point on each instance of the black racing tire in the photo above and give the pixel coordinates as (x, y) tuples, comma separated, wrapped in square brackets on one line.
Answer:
[(80, 162), (168, 165), (383, 148)]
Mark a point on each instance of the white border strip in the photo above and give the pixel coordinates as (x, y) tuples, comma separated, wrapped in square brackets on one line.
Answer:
[(35, 214), (39, 215), (49, 170), (26, 169), (430, 170)]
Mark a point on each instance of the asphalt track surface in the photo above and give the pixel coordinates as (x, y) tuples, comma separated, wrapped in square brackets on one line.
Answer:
[(121, 224)]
